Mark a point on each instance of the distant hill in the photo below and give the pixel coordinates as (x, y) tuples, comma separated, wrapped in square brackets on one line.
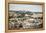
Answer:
[(26, 12)]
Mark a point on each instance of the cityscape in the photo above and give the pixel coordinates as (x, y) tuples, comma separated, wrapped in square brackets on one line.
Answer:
[(25, 20)]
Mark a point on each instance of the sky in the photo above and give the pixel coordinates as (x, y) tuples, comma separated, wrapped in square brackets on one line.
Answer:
[(26, 7)]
